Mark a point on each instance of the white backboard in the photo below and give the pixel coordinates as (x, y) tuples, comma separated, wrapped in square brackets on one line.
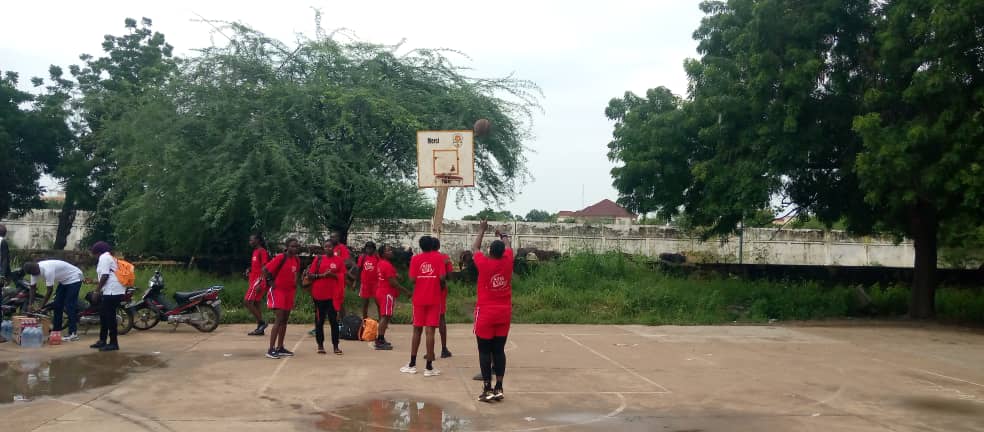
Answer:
[(445, 158)]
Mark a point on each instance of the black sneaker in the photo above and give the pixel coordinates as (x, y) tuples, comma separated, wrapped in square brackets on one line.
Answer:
[(284, 353), (110, 347), (445, 353), (98, 345), (262, 327), (497, 394), (273, 354), (382, 346), (486, 396)]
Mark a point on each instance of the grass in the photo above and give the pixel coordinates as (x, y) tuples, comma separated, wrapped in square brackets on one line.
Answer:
[(619, 289)]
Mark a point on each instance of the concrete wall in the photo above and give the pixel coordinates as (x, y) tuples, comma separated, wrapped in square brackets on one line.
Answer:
[(761, 245), (37, 229)]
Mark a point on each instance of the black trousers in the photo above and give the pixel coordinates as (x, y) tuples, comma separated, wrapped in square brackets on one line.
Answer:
[(325, 309), (107, 316)]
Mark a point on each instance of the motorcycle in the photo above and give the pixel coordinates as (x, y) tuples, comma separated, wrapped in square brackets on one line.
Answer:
[(17, 295), (88, 313), (200, 309)]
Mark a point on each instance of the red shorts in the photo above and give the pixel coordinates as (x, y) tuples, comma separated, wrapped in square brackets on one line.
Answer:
[(427, 315), (255, 290), (492, 321), (282, 299), (386, 302), (367, 291)]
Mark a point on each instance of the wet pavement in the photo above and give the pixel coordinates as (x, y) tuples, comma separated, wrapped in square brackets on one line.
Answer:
[(827, 377), (31, 377)]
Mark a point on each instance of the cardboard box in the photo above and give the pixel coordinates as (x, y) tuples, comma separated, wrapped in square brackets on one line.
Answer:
[(19, 322)]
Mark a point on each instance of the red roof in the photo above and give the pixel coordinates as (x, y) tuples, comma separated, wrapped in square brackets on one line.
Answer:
[(604, 208)]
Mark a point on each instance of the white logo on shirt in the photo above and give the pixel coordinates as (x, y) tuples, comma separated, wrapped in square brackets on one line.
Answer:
[(426, 268), (368, 266), (498, 281)]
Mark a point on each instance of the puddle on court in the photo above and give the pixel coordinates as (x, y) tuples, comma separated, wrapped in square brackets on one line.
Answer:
[(28, 378), (399, 414)]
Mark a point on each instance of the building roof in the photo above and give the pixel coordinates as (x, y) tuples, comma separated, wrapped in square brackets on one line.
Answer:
[(604, 208)]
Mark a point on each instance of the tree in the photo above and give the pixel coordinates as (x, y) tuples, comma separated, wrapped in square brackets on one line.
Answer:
[(29, 141), (848, 110), (536, 215), (922, 163), (492, 215), (311, 136)]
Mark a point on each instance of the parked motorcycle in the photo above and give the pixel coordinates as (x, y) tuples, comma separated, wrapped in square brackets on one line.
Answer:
[(89, 313), (200, 309), (16, 296)]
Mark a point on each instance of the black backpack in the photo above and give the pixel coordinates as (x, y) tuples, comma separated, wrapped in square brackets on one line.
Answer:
[(351, 327)]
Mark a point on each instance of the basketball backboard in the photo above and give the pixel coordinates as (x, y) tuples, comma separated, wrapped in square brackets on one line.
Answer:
[(445, 158)]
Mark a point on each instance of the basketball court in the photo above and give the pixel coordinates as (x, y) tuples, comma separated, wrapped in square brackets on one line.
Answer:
[(869, 377)]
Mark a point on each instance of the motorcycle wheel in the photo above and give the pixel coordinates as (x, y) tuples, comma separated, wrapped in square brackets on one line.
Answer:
[(210, 318), (144, 318), (124, 320)]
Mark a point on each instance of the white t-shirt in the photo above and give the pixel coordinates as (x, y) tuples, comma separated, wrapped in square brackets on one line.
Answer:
[(107, 266), (60, 272)]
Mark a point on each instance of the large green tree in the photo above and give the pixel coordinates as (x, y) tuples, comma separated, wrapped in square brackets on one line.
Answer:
[(847, 110), (31, 133), (256, 134)]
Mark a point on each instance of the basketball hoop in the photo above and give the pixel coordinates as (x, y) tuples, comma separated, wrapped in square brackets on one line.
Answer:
[(448, 179)]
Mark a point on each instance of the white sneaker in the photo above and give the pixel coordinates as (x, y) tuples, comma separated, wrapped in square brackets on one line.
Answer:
[(408, 369), (71, 338), (431, 372)]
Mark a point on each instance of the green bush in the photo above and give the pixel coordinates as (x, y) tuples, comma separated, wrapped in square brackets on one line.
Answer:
[(615, 288)]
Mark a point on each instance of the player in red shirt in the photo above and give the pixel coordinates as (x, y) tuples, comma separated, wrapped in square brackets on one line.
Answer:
[(257, 285), (368, 279), (443, 328), (427, 271), (493, 309), (387, 290), (341, 251), (326, 272), (282, 274)]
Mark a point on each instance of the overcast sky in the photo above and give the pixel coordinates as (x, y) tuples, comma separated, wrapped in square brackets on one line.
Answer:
[(580, 53)]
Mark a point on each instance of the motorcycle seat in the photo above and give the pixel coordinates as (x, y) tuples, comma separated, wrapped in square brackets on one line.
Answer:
[(182, 297)]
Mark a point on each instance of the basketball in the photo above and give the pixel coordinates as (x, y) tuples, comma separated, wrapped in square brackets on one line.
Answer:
[(482, 127)]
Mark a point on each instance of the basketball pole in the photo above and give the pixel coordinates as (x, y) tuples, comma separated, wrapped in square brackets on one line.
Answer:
[(437, 224)]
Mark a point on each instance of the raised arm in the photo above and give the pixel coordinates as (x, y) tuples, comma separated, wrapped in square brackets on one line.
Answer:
[(477, 244)]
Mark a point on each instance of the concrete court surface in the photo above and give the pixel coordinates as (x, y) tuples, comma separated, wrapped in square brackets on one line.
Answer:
[(869, 376)]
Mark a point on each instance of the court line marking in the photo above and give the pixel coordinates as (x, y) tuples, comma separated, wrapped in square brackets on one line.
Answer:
[(619, 365), (946, 377), (283, 362)]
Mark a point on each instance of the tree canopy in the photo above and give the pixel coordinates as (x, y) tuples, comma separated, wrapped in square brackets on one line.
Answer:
[(856, 111)]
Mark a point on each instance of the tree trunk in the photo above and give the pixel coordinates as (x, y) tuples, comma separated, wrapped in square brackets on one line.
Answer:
[(66, 218), (922, 303)]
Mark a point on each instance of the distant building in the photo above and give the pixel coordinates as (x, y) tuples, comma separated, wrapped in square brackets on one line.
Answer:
[(604, 212)]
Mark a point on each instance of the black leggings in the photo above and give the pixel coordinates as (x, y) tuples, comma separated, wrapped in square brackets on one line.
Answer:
[(492, 356), (107, 316), (325, 309)]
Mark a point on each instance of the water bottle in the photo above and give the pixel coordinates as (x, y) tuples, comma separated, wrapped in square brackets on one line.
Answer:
[(7, 329), (35, 336)]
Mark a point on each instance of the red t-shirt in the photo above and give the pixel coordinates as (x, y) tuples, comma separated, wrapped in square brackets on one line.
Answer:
[(342, 252), (494, 279), (286, 277), (427, 269), (449, 267), (385, 271), (324, 288), (260, 258), (367, 265)]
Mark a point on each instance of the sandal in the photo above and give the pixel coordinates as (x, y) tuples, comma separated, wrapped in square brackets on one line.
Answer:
[(321, 350), (338, 351)]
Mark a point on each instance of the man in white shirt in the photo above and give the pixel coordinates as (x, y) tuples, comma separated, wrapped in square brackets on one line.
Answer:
[(69, 281), (109, 293)]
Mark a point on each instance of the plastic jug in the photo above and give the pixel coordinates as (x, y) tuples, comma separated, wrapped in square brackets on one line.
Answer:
[(7, 329)]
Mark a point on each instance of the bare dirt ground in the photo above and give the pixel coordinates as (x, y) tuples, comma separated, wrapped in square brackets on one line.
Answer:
[(802, 377)]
